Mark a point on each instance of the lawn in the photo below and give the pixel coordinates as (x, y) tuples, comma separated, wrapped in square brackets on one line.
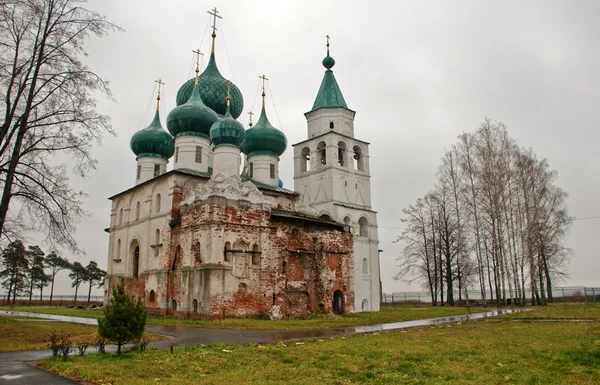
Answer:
[(500, 351), (30, 333), (561, 312), (318, 321)]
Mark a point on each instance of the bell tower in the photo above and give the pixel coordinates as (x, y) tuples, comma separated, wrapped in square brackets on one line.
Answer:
[(331, 174)]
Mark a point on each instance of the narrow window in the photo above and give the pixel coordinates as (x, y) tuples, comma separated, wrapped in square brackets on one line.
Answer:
[(331, 125), (139, 171), (174, 305), (272, 169), (227, 254), (156, 170), (157, 206), (251, 171), (121, 217), (255, 255), (118, 250), (136, 262), (156, 242), (197, 254), (137, 211), (176, 154), (152, 296), (198, 154), (365, 305), (365, 266), (195, 306)]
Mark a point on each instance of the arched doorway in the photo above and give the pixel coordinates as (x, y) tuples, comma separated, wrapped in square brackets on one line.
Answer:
[(338, 302)]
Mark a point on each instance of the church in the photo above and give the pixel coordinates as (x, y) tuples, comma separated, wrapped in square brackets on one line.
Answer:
[(218, 235)]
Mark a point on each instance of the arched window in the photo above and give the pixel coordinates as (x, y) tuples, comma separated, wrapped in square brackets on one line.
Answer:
[(342, 154), (326, 217), (157, 207), (365, 305), (197, 254), (152, 296), (195, 306), (174, 305), (156, 242), (121, 217), (365, 266), (331, 125), (118, 250), (364, 227), (136, 260), (322, 153), (358, 158), (305, 160), (227, 254), (255, 255), (137, 211)]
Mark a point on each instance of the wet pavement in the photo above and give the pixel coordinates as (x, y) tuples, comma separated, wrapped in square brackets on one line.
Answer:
[(15, 370)]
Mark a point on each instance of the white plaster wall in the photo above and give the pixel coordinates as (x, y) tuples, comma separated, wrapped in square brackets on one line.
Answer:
[(143, 230), (226, 161), (262, 169), (146, 165), (318, 121), (185, 152)]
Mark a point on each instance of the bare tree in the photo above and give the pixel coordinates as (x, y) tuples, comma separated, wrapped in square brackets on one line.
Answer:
[(495, 215), (47, 108)]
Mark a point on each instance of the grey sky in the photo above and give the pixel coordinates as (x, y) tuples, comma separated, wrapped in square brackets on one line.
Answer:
[(417, 73)]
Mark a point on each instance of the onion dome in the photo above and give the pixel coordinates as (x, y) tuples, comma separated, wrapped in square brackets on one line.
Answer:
[(153, 141), (191, 118), (227, 131), (328, 62), (213, 90), (264, 139)]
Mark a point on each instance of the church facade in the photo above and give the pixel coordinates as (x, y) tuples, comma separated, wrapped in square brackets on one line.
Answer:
[(218, 235)]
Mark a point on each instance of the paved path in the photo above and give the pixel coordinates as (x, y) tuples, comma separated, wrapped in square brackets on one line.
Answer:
[(15, 370)]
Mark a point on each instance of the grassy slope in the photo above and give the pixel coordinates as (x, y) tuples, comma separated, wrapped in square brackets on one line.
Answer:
[(482, 352), (388, 314)]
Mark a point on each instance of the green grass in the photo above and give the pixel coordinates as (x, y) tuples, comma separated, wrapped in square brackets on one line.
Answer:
[(561, 312), (25, 333), (481, 352), (31, 334), (318, 321)]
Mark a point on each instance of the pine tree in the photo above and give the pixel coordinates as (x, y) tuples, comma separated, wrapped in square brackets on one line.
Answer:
[(124, 319), (55, 263), (16, 265), (77, 274)]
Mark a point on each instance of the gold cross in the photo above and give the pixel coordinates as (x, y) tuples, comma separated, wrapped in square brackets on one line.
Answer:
[(264, 78), (160, 83), (198, 53), (250, 113), (214, 13)]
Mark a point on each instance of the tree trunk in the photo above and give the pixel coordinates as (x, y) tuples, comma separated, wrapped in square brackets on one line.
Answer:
[(89, 293)]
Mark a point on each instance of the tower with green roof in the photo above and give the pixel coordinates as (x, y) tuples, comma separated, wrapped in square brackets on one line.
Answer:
[(190, 124), (227, 136), (153, 147), (263, 145), (332, 176)]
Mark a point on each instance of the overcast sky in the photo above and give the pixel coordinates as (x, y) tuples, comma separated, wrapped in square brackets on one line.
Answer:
[(417, 73)]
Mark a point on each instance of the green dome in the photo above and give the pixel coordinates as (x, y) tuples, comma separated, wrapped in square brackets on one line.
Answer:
[(328, 62), (227, 131), (191, 118), (213, 90), (153, 141), (264, 139)]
